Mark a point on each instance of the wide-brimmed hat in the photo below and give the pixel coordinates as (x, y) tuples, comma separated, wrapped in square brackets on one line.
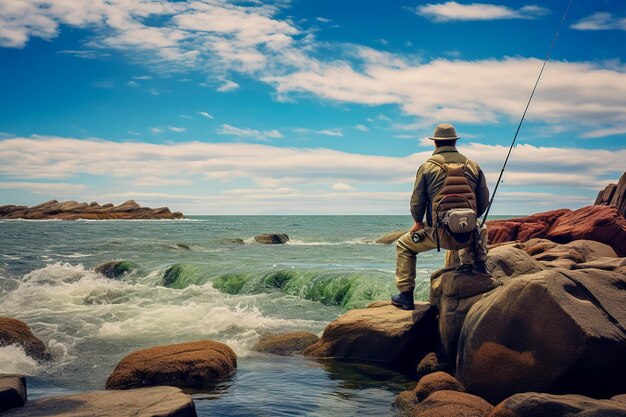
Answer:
[(444, 131)]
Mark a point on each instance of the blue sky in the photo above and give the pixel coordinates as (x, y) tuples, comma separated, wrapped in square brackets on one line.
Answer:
[(217, 107)]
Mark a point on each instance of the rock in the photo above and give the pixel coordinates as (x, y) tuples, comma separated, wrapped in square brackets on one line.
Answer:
[(236, 241), (598, 223), (452, 404), (533, 404), (507, 262), (431, 363), (272, 239), (453, 294), (437, 381), (286, 343), (552, 331), (12, 392), (183, 246), (608, 264), (614, 195), (567, 255), (406, 402), (143, 402), (16, 332), (381, 334), (391, 237), (115, 269), (72, 210), (621, 398), (191, 364)]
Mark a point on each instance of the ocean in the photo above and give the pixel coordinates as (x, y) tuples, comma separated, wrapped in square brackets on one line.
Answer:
[(216, 289)]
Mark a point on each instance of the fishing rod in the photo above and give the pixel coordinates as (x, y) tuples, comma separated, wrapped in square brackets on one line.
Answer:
[(519, 126)]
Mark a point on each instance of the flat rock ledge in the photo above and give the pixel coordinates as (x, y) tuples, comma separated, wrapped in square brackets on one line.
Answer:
[(192, 364), (379, 333), (143, 402), (73, 210)]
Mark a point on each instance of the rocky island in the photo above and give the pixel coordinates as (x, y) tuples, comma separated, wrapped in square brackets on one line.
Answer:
[(73, 210)]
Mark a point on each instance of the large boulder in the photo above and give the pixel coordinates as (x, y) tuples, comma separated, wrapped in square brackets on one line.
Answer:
[(614, 195), (144, 402), (286, 343), (191, 364), (566, 255), (16, 332), (12, 392), (508, 261), (523, 228), (381, 333), (272, 238), (389, 238), (437, 381), (533, 404), (453, 293), (553, 331)]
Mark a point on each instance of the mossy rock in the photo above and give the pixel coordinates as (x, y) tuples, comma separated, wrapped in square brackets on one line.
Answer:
[(115, 269)]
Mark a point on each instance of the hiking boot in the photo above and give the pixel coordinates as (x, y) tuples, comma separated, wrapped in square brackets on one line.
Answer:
[(481, 268), (404, 300), (465, 268)]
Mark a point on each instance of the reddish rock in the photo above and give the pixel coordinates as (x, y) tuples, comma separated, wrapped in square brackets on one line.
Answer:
[(599, 223), (286, 343), (437, 381), (452, 404), (16, 332), (534, 404), (614, 195), (191, 364), (73, 210)]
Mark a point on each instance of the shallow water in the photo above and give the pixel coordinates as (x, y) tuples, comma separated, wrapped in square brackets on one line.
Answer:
[(223, 291)]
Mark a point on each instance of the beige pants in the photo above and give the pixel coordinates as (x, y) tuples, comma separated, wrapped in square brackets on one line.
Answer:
[(407, 250)]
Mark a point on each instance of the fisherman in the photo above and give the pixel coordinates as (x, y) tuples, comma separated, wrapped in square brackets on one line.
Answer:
[(450, 189)]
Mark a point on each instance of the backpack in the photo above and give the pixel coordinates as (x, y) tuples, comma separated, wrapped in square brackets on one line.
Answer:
[(454, 209)]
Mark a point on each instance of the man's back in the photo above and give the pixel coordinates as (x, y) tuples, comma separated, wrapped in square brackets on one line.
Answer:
[(431, 176)]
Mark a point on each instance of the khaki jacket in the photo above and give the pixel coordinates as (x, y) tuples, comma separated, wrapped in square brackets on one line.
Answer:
[(430, 178)]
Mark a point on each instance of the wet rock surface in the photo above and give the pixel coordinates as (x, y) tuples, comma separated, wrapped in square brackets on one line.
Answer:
[(272, 239), (16, 332), (286, 343), (533, 404)]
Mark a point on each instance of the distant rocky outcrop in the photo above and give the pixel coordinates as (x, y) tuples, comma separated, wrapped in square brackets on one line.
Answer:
[(286, 343), (191, 364), (602, 224), (73, 210), (614, 195), (143, 402), (16, 332)]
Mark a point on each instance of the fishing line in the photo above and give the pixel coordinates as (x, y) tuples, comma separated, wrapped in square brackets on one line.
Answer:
[(519, 126)]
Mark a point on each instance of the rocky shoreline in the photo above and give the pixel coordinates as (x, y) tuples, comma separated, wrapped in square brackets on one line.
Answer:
[(73, 210), (545, 335)]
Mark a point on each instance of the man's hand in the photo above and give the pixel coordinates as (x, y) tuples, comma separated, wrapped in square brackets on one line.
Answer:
[(416, 226)]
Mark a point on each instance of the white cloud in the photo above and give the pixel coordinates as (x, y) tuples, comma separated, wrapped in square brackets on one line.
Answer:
[(133, 84), (227, 86), (249, 133), (47, 188), (600, 133), (156, 130), (330, 132), (601, 21), (342, 186), (362, 128), (205, 114), (451, 10), (185, 116), (142, 77), (176, 129), (132, 132)]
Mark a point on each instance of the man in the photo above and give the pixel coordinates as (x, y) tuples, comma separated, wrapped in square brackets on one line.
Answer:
[(429, 181)]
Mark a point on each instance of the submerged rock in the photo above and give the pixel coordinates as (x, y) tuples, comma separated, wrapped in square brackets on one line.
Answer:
[(235, 241), (12, 392), (381, 333), (286, 343), (16, 332), (115, 269), (144, 402), (191, 364), (271, 239), (389, 238), (183, 246), (551, 331), (73, 210), (533, 404)]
